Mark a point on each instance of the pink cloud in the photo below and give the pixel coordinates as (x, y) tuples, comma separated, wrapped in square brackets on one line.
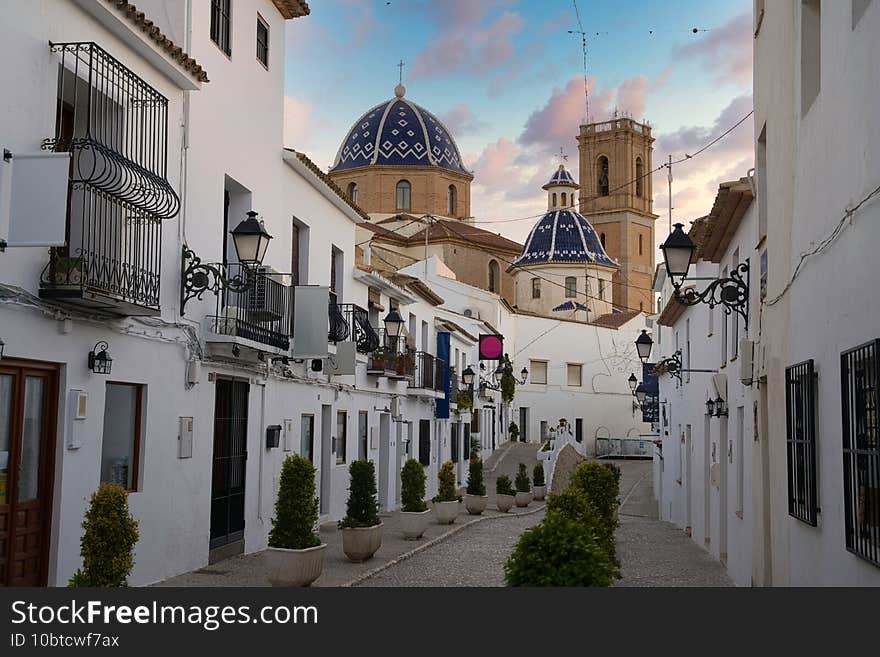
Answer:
[(297, 127), (461, 120), (726, 51)]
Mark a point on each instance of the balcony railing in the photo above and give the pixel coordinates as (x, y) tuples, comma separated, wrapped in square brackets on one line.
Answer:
[(260, 313), (351, 322), (392, 358), (429, 372)]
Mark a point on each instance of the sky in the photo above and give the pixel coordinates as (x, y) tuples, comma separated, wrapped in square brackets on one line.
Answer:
[(507, 78)]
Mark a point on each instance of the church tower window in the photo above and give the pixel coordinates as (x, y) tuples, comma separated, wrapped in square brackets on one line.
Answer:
[(451, 200), (640, 244), (536, 288), (570, 287), (353, 192), (640, 174), (603, 176), (564, 200), (602, 239), (494, 275), (554, 200), (404, 195)]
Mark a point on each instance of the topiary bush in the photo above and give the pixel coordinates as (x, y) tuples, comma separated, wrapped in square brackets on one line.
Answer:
[(513, 430), (538, 475), (412, 488), (296, 508), (108, 540), (446, 490), (475, 484), (558, 552), (575, 505), (523, 485), (615, 469), (600, 486), (503, 486), (363, 507)]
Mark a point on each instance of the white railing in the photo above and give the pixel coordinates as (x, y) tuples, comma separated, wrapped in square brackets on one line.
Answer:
[(557, 444), (624, 448)]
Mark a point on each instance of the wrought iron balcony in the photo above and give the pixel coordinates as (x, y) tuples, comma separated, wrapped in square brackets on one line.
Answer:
[(429, 372), (354, 322), (260, 312), (392, 358)]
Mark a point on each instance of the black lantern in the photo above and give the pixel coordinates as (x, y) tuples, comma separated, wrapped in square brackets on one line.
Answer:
[(720, 407), (393, 324), (251, 240), (643, 346), (467, 377), (100, 361), (633, 382), (2, 347), (641, 393), (678, 250), (525, 375), (710, 407)]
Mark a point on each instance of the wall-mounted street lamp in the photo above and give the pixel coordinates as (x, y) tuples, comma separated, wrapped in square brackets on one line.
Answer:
[(716, 407), (731, 292), (504, 366), (250, 239), (643, 346), (633, 383), (467, 377), (393, 325), (99, 360), (672, 367)]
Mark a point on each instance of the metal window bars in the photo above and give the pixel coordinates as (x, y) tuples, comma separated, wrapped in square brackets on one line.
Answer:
[(860, 376), (800, 420)]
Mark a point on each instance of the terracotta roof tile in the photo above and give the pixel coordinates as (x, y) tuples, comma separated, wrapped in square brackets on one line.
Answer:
[(615, 320), (292, 8), (314, 168)]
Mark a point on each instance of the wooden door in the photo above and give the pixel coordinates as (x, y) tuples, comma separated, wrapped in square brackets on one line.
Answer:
[(229, 462), (28, 415)]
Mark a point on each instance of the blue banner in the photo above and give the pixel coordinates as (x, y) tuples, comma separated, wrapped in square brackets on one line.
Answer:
[(651, 383), (443, 352)]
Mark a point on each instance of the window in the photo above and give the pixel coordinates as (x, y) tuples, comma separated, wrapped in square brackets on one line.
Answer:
[(811, 52), (121, 444), (554, 200), (858, 10), (353, 192), (536, 288), (494, 275), (574, 374), (466, 441), (336, 272), (603, 176), (404, 193), (564, 200), (538, 372), (452, 201), (453, 438), (800, 441), (307, 437), (570, 287), (602, 239), (640, 244), (425, 442), (262, 42), (601, 288), (341, 436), (579, 429), (362, 435), (221, 23), (860, 377), (640, 174)]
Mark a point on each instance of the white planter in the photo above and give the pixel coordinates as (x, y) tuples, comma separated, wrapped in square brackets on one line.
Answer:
[(414, 523), (523, 499), (504, 502), (446, 512), (361, 543), (544, 456), (294, 567), (476, 504), (539, 492)]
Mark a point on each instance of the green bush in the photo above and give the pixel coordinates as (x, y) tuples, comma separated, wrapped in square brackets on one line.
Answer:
[(615, 469), (546, 447), (538, 474), (503, 486), (513, 430), (446, 490), (108, 540), (600, 486), (412, 489), (363, 507), (464, 400), (475, 484), (575, 505), (558, 552), (296, 508), (523, 485)]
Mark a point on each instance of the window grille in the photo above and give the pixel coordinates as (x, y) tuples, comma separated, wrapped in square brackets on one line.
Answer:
[(800, 419)]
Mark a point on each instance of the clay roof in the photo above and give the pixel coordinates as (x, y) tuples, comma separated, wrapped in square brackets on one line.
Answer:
[(731, 203), (671, 313), (311, 166), (444, 230), (417, 286), (615, 320), (292, 8), (455, 327), (174, 51)]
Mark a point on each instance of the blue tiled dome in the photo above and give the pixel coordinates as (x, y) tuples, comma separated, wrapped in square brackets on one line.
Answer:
[(563, 236), (561, 178), (398, 133)]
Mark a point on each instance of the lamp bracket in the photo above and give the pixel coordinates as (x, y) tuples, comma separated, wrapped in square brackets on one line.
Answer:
[(197, 277), (732, 293)]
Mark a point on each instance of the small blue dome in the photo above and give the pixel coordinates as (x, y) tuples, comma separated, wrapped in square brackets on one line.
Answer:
[(561, 178), (398, 133), (563, 236)]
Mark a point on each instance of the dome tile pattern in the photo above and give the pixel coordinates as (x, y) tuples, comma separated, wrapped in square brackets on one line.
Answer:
[(563, 236), (398, 133), (561, 178)]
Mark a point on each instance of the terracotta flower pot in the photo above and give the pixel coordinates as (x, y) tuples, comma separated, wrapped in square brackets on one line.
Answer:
[(504, 502), (414, 523), (476, 504), (361, 543), (294, 567)]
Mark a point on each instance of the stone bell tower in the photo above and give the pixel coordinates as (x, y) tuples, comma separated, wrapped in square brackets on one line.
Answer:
[(616, 197)]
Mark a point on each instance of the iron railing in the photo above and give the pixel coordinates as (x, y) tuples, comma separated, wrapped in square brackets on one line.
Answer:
[(115, 127), (429, 373), (860, 376), (260, 312), (624, 448), (339, 327), (800, 418), (392, 357), (356, 321)]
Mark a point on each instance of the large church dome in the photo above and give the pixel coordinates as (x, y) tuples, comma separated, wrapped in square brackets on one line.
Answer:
[(398, 133), (564, 236)]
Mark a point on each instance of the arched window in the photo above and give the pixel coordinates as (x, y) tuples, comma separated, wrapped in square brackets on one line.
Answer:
[(602, 239), (571, 287), (353, 192), (451, 201), (640, 174), (603, 176), (404, 193), (564, 200), (494, 276), (554, 199), (640, 244), (536, 288)]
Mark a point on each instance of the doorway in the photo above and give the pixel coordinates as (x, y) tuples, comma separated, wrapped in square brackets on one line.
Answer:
[(524, 424), (723, 458), (707, 494), (326, 456), (28, 417), (688, 493), (228, 468), (384, 455), (494, 427)]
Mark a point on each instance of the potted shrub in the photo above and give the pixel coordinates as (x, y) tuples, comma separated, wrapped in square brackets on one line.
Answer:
[(108, 540), (523, 487), (295, 556), (446, 502), (361, 528), (513, 430), (504, 493), (414, 513), (539, 486), (475, 500)]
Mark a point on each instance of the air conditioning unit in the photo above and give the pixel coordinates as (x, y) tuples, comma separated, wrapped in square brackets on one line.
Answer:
[(472, 313), (260, 304)]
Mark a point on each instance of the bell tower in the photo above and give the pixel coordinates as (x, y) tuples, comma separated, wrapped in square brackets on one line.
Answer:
[(616, 197)]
